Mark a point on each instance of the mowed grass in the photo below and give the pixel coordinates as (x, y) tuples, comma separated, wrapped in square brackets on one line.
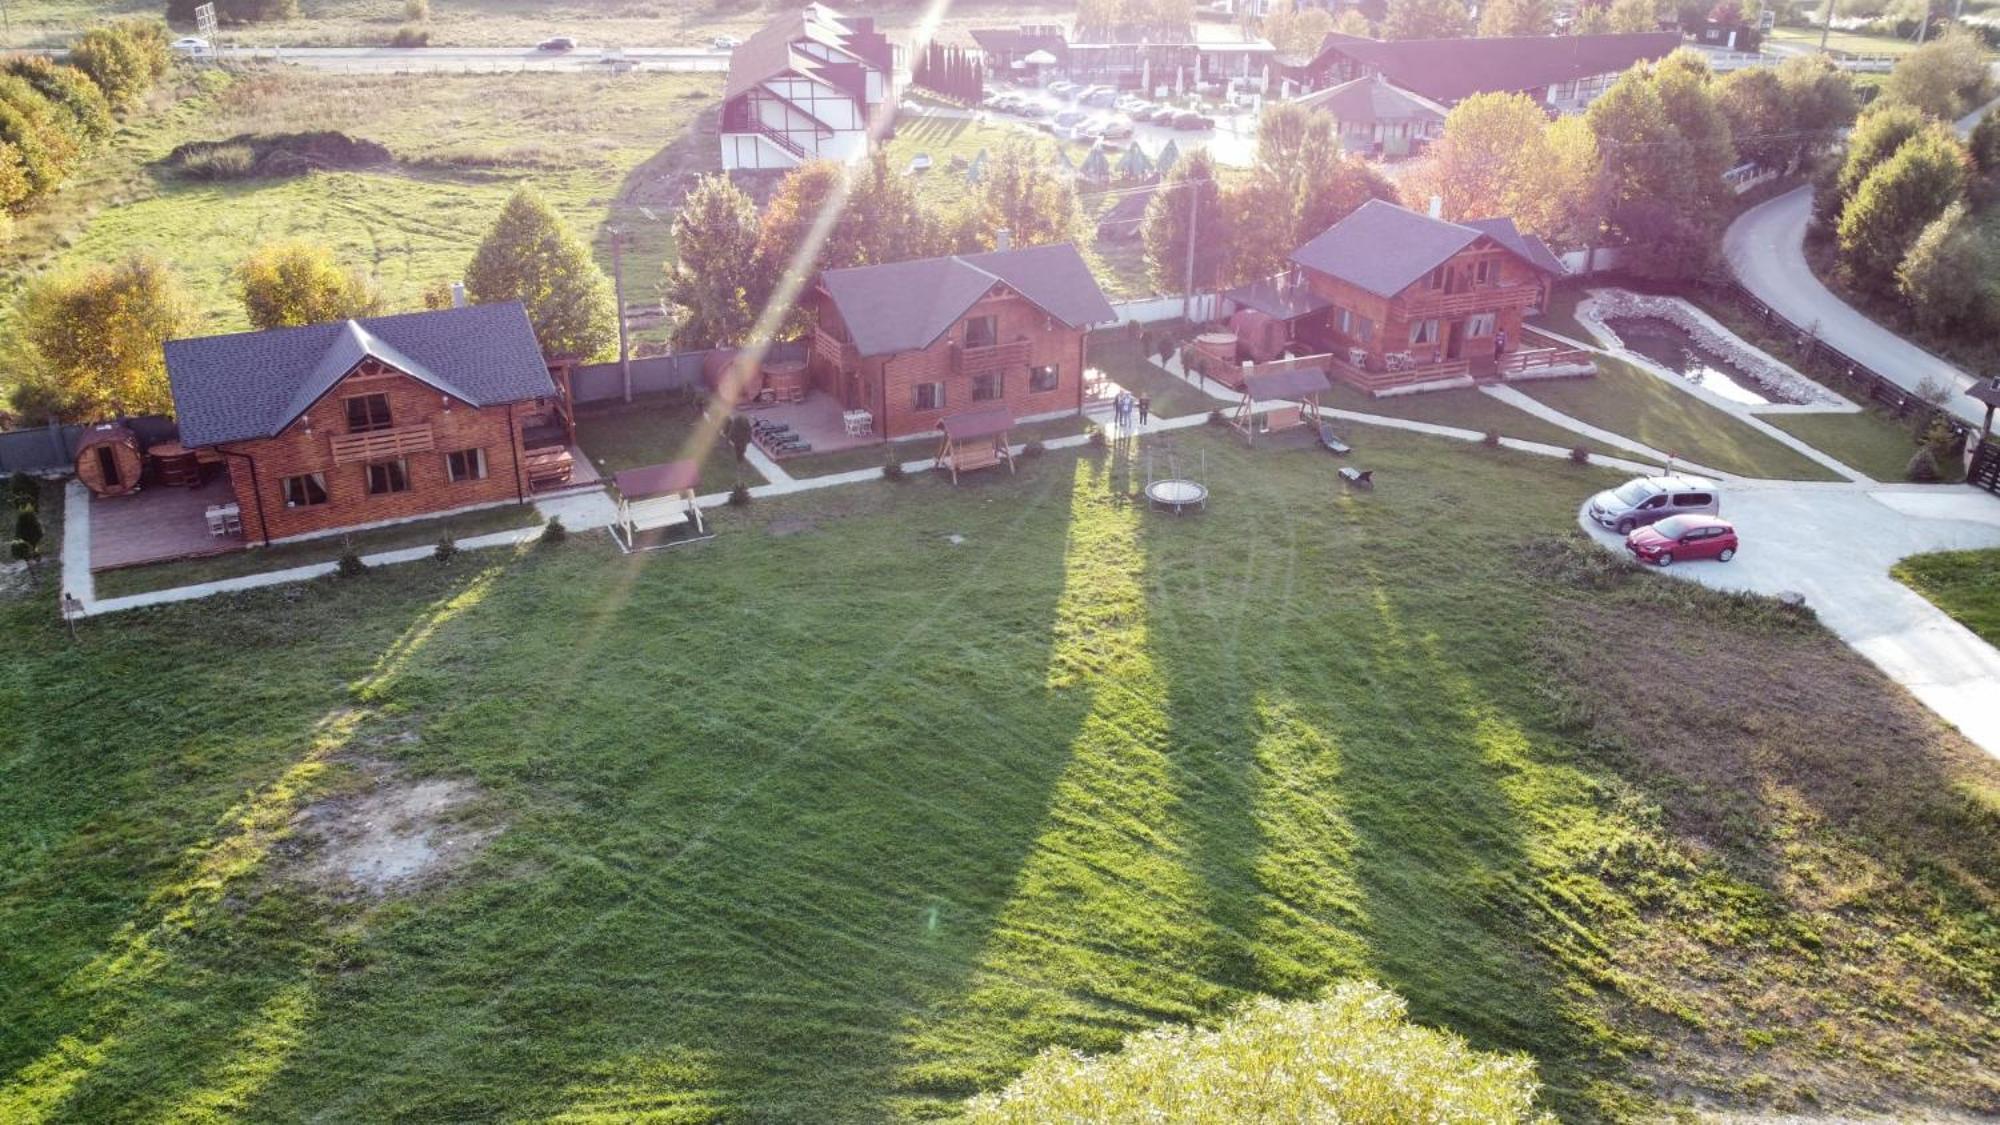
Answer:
[(1628, 401), (1965, 584), (461, 144), (667, 429), (1876, 446), (847, 813)]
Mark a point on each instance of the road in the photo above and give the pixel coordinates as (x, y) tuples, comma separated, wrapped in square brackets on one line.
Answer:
[(400, 60), (1786, 529), (1766, 250)]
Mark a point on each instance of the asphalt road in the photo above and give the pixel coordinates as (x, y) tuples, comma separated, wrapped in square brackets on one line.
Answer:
[(1766, 250), (397, 60)]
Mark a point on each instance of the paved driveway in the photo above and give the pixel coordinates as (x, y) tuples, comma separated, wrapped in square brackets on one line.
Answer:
[(1835, 544)]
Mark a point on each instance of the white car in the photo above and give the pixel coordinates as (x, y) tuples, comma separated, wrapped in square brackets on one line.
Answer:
[(725, 43), (191, 45), (921, 162)]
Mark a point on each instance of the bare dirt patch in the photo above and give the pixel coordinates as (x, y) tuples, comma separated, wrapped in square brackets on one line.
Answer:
[(393, 835)]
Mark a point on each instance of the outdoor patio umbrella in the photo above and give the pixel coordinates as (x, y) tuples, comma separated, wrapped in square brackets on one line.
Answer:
[(1040, 58)]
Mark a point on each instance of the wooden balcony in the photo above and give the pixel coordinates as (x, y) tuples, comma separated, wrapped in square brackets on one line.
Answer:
[(832, 349), (1376, 382), (999, 357), (1437, 303), (382, 445)]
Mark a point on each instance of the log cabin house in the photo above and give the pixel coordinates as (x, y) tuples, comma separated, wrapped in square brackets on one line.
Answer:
[(1398, 301), (910, 342), (364, 422)]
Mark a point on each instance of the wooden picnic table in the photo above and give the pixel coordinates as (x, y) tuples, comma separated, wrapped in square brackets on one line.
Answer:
[(551, 464)]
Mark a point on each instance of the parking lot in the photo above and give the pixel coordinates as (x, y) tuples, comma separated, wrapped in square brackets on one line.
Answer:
[(1091, 114)]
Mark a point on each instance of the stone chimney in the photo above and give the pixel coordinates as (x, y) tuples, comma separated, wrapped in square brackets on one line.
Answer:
[(458, 300), (1437, 206), (1004, 240)]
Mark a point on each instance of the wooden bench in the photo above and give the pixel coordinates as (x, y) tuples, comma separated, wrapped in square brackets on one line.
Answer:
[(976, 456), (1358, 478), (549, 465), (1281, 419)]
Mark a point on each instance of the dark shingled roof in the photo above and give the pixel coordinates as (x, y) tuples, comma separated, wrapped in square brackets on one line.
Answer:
[(1447, 70), (1014, 41), (1372, 98), (1986, 391), (254, 384), (1279, 301), (1383, 248), (666, 479), (768, 53), (906, 306), (1299, 382), (970, 425)]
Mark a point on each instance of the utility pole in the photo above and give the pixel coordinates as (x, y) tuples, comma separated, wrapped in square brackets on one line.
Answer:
[(1194, 213), (618, 292), (1826, 28)]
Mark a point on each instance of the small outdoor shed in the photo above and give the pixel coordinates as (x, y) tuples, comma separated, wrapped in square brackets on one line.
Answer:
[(975, 439), (1298, 389), (109, 459), (658, 495)]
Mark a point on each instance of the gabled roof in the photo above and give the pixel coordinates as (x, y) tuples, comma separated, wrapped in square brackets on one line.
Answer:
[(1016, 41), (979, 422), (1297, 382), (254, 384), (1278, 300), (1383, 248), (1447, 70), (906, 306), (769, 52), (1373, 98)]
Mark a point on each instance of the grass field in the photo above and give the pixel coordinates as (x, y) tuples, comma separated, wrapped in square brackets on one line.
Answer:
[(845, 814), (166, 576), (461, 145), (1844, 42), (1628, 401), (1879, 447), (1965, 584), (649, 433)]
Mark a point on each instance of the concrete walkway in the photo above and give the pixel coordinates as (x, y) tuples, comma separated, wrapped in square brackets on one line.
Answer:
[(1835, 544), (1527, 404)]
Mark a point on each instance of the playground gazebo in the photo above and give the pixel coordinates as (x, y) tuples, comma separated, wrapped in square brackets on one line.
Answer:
[(975, 439), (1297, 390), (654, 497)]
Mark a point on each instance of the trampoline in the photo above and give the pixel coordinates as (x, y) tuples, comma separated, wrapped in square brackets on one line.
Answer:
[(1174, 492)]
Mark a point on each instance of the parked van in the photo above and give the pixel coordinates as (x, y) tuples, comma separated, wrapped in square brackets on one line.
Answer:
[(1647, 500)]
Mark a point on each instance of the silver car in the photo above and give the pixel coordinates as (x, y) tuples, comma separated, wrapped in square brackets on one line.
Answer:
[(1646, 500)]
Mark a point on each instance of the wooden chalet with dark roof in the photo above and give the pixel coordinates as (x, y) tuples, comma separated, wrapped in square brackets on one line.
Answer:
[(362, 422), (912, 342), (1563, 72)]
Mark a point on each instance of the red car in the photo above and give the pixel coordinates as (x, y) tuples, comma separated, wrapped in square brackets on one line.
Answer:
[(1683, 537)]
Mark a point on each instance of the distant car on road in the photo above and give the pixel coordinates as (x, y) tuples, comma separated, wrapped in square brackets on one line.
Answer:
[(1188, 121), (1645, 500), (1062, 89), (191, 45), (1683, 537), (725, 43), (558, 43)]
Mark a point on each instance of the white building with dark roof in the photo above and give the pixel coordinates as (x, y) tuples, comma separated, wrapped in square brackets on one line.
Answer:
[(805, 88)]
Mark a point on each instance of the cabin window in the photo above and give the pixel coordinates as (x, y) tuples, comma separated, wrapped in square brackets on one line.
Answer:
[(1437, 277), (982, 331), (367, 412), (466, 464), (1424, 332), (1044, 378), (1480, 325), (305, 490), (928, 396), (1483, 272), (989, 387), (385, 477)]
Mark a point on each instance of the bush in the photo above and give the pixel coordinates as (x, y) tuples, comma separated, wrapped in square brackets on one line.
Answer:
[(738, 430), (1098, 437), (1034, 449), (1578, 455), (24, 490), (1923, 467), (447, 550), (1350, 1055), (1215, 418), (1491, 439), (892, 469), (20, 550), (410, 37), (124, 58), (417, 11), (739, 497), (28, 528), (554, 531), (350, 564)]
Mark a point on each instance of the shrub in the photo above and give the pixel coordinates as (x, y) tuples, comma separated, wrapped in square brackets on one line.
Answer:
[(24, 490), (1034, 449), (20, 550), (1098, 437), (447, 550), (1215, 418), (1923, 467), (1578, 455), (410, 37), (892, 469), (739, 497), (124, 58), (1350, 1055), (28, 528), (554, 531), (1491, 439), (738, 431), (417, 11), (218, 162), (350, 564)]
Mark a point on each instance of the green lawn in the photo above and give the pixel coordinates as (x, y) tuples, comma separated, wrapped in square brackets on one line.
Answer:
[(1117, 354), (1879, 447), (1628, 401), (1965, 584), (261, 560), (875, 456), (1560, 316), (846, 814), (1843, 42), (1469, 409), (648, 433)]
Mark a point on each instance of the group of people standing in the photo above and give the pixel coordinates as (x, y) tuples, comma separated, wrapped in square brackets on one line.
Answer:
[(1125, 406)]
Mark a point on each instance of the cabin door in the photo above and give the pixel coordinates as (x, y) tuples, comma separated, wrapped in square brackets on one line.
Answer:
[(1455, 344)]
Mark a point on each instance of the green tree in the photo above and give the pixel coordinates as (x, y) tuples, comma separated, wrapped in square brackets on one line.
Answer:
[(286, 284), (1191, 193), (1425, 19), (531, 257), (1352, 1055), (1876, 137), (1296, 32), (1299, 154), (1654, 192), (714, 280), (92, 339), (1902, 196), (1985, 143), (1759, 109), (1948, 279), (1631, 16), (1821, 99), (69, 91), (1685, 94), (1488, 140), (124, 58), (884, 219), (28, 529), (1516, 17), (1591, 19), (1024, 195), (1942, 78), (50, 143), (1354, 22)]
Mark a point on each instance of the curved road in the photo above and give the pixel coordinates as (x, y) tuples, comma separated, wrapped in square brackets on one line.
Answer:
[(1766, 249)]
